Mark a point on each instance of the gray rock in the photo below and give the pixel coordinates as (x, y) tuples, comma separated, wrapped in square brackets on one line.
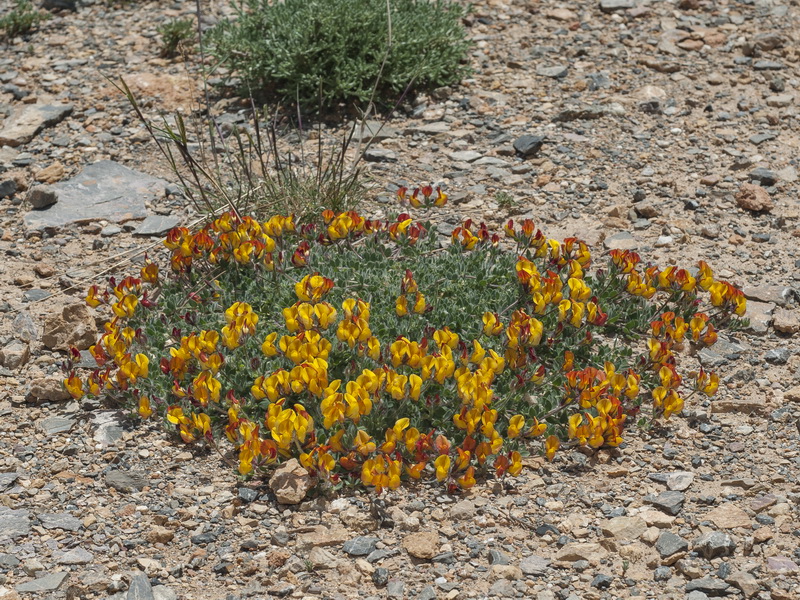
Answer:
[(713, 544), (394, 589), (778, 356), (76, 556), (602, 581), (610, 6), (360, 546), (25, 327), (7, 480), (373, 130), (54, 425), (156, 225), (63, 521), (429, 128), (7, 188), (103, 190), (140, 588), (763, 176), (581, 113), (496, 557), (503, 588), (534, 565), (42, 196), (529, 145), (669, 502), (48, 583), (555, 72), (746, 582), (767, 65), (126, 482), (463, 510), (109, 428), (428, 593), (621, 241), (14, 523), (23, 124), (35, 295), (464, 156), (668, 544), (162, 592), (380, 577), (710, 586), (662, 574), (760, 138), (8, 561), (110, 231), (380, 155)]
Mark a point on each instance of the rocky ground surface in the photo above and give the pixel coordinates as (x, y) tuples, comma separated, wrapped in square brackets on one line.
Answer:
[(669, 127)]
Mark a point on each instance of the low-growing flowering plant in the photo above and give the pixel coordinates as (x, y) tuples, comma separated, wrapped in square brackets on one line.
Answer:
[(373, 352)]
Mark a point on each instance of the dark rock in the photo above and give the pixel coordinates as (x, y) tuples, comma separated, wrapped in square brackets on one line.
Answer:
[(669, 502), (53, 425), (767, 65), (764, 176), (498, 558), (710, 586), (602, 581), (778, 356), (380, 577), (662, 574), (428, 593), (529, 145), (360, 546), (7, 188), (668, 544), (610, 6)]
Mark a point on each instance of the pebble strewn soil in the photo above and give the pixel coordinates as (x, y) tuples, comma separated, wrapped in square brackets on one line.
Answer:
[(668, 127)]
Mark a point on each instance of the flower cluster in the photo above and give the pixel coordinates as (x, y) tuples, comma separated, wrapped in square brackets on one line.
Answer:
[(372, 355)]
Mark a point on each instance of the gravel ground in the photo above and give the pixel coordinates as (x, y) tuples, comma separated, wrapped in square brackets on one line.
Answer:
[(668, 127)]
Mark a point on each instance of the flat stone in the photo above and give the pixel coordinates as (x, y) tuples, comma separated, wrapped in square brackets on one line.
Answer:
[(767, 65), (7, 480), (728, 516), (322, 559), (291, 482), (581, 113), (780, 100), (763, 502), (23, 124), (781, 565), (463, 510), (157, 225), (109, 427), (429, 128), (162, 592), (554, 72), (764, 176), (126, 482), (54, 425), (711, 586), (534, 565), (323, 536), (140, 588), (713, 544), (589, 551), (680, 480), (668, 544), (380, 155), (624, 528), (503, 588), (14, 523), (776, 294), (7, 188), (104, 190), (48, 583), (373, 130), (669, 502), (467, 156), (76, 556), (621, 241), (15, 355), (760, 316), (759, 138), (788, 174), (610, 6), (751, 405), (63, 521)]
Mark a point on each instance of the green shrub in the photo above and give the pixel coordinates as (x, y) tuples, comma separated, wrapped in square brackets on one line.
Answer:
[(320, 53), (175, 34), (373, 354), (22, 18)]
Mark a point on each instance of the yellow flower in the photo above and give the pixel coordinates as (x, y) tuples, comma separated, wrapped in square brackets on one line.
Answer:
[(74, 386), (445, 337), (415, 387), (442, 464), (144, 407), (268, 347), (492, 324), (515, 426), (401, 306), (92, 299), (551, 444), (419, 304)]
